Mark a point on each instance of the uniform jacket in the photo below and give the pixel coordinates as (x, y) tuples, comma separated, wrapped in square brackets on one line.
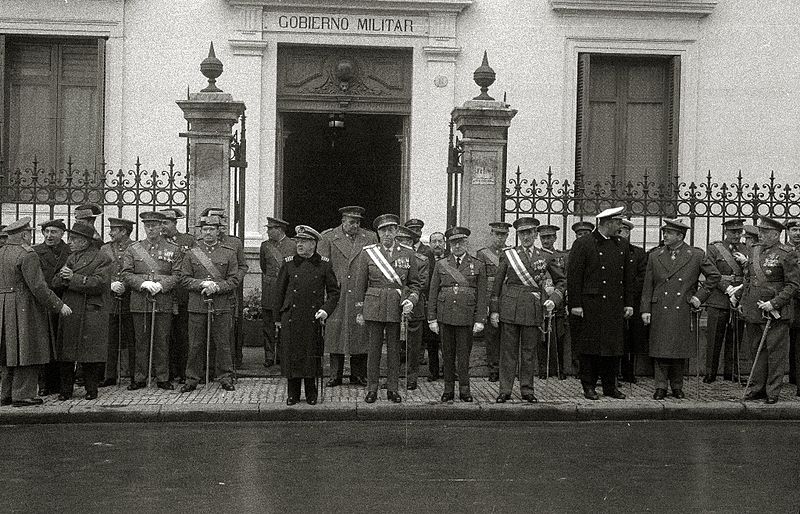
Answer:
[(601, 281), (379, 298), (560, 260), (423, 249), (237, 244), (25, 304), (637, 333), (424, 264), (83, 336), (668, 286), (184, 242), (115, 252), (52, 259), (303, 287), (520, 304), (720, 253), (135, 271), (491, 261), (778, 284), (193, 273), (271, 257), (342, 333), (458, 303)]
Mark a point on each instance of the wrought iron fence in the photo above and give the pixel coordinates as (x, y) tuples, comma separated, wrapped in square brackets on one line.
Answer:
[(45, 194), (704, 205)]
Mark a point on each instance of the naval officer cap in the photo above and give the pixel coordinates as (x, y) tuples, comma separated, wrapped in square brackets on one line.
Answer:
[(306, 232), (277, 223), (56, 223), (627, 224), (456, 233), (548, 230), (612, 213), (19, 225), (151, 217), (354, 211), (522, 224), (769, 223), (501, 227), (676, 225), (87, 210), (582, 225), (384, 220), (733, 224)]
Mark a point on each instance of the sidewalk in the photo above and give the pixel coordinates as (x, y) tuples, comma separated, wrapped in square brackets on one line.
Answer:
[(264, 399)]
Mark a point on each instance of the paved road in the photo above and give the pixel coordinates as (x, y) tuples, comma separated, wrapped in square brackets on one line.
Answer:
[(417, 466)]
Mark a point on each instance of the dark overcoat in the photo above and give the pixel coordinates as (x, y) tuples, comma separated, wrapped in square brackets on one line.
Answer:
[(52, 259), (668, 286), (271, 256), (26, 302), (601, 281), (636, 335), (83, 336), (342, 333), (304, 286)]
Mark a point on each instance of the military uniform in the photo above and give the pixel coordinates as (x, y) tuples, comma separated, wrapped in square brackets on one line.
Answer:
[(271, 257), (635, 338), (179, 341), (794, 330), (155, 261), (215, 263), (772, 275), (417, 322), (491, 334), (120, 321), (559, 332)]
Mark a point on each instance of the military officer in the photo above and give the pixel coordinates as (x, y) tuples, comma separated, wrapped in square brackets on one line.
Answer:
[(490, 257), (151, 269), (520, 302), (3, 235), (559, 333), (793, 227), (52, 253), (416, 320), (581, 228), (417, 245), (669, 294), (750, 236), (432, 342), (306, 292), (342, 245), (418, 316), (386, 288), (178, 342), (272, 253), (438, 245), (209, 272), (25, 300), (601, 297), (635, 330), (771, 280), (722, 327), (118, 297), (457, 310), (82, 338)]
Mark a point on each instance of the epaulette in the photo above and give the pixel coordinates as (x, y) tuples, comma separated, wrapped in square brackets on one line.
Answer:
[(402, 245), (288, 259), (324, 259), (374, 245)]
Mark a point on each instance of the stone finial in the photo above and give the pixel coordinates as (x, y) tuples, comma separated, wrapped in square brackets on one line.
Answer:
[(211, 68), (484, 76)]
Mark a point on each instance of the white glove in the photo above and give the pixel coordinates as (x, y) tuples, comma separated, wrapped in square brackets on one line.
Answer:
[(477, 327), (118, 287), (577, 311), (733, 300), (321, 315), (360, 319), (407, 306), (157, 287), (494, 319), (740, 257), (735, 290), (148, 286), (628, 312), (205, 284), (549, 305), (766, 306), (695, 302), (646, 318), (434, 326), (729, 290), (65, 310)]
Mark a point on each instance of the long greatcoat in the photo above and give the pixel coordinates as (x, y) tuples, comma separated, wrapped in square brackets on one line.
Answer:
[(52, 259), (304, 286), (271, 257), (83, 336), (668, 287), (600, 279), (342, 333), (25, 304)]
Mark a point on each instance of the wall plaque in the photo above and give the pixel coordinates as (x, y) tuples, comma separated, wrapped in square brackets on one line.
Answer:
[(484, 168)]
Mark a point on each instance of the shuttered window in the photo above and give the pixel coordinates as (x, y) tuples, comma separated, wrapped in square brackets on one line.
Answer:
[(52, 105), (627, 119)]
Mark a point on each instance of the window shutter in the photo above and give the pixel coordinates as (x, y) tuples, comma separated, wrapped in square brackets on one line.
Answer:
[(673, 106), (582, 118)]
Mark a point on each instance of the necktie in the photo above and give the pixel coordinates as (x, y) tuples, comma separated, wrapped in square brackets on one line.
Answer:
[(458, 262)]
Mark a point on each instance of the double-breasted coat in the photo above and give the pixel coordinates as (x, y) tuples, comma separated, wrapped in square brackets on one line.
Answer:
[(83, 336), (304, 286), (379, 298), (271, 257), (26, 303), (668, 286), (458, 302), (342, 333), (771, 275), (601, 281)]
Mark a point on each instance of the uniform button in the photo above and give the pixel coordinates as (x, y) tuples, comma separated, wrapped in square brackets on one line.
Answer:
[(602, 267), (665, 292), (678, 307), (666, 307), (604, 281), (349, 290), (293, 305), (604, 296), (600, 253), (294, 290), (680, 280)]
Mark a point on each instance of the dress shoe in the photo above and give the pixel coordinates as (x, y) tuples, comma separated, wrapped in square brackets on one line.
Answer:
[(503, 398), (772, 400), (590, 394), (311, 400), (660, 394), (291, 400), (411, 386), (43, 391), (371, 397), (615, 393), (359, 381), (136, 385), (188, 388), (91, 396), (448, 397), (708, 379), (393, 396), (678, 393), (542, 376), (30, 402), (5, 402), (64, 397), (228, 386), (494, 376), (433, 378), (108, 382), (530, 398), (465, 397), (334, 382), (563, 376), (165, 385), (752, 395)]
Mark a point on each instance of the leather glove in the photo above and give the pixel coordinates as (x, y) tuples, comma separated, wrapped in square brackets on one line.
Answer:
[(494, 319), (549, 305), (118, 287), (646, 318), (321, 315), (577, 311), (434, 326), (477, 327), (628, 312), (695, 302), (407, 306), (360, 319)]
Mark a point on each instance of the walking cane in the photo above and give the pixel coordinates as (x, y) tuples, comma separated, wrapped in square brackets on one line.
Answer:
[(152, 299), (758, 352), (696, 313), (209, 319), (119, 339)]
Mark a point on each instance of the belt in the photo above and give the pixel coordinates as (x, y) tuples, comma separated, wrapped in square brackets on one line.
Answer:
[(4, 290), (389, 286), (524, 287)]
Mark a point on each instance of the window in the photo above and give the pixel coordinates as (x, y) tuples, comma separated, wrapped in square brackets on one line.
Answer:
[(627, 119), (52, 102)]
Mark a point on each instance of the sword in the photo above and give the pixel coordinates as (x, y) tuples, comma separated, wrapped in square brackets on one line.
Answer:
[(152, 299), (758, 352), (209, 319)]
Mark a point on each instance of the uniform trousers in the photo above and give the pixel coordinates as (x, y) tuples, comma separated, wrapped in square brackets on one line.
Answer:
[(794, 352), (293, 387), (163, 327), (491, 336), (669, 370), (772, 361), (518, 349), (432, 345), (179, 342), (271, 350), (18, 382), (128, 344), (220, 351), (358, 364), (720, 333), (92, 372), (558, 337), (604, 367), (456, 349), (374, 333), (414, 347)]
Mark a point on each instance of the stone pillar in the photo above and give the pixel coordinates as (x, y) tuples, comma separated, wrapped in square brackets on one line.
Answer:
[(484, 123), (211, 115)]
